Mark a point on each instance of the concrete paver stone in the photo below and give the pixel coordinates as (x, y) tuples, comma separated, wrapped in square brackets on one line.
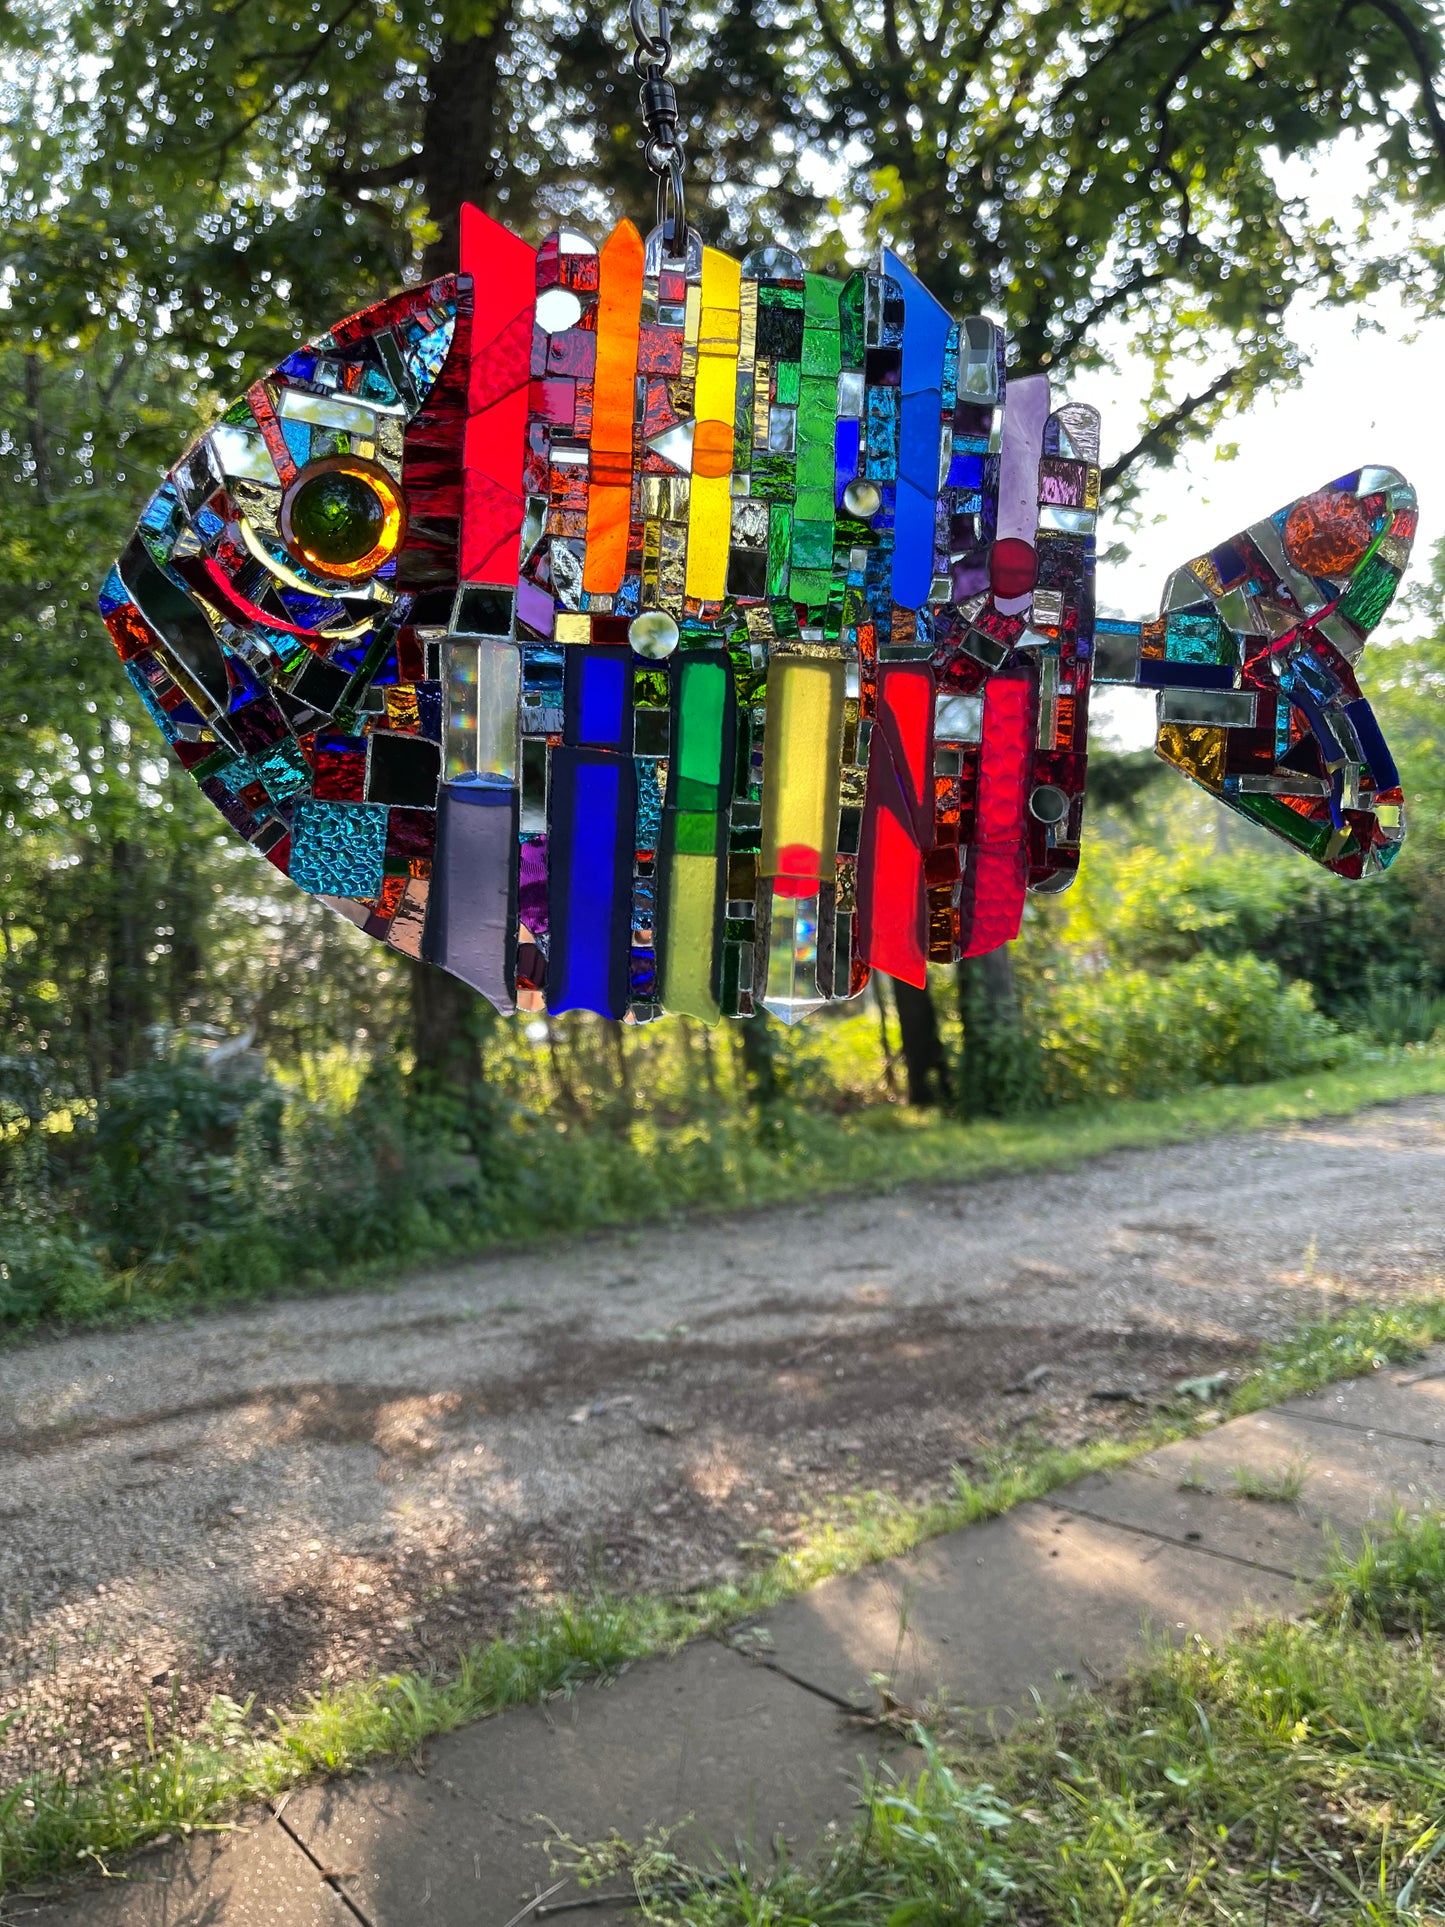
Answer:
[(706, 1734), (1188, 1492), (1039, 1599), (254, 1877), (1409, 1401)]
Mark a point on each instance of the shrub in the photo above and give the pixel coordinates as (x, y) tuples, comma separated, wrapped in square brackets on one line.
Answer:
[(1212, 1020)]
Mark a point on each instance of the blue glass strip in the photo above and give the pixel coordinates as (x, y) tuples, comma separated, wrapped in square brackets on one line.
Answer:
[(927, 327), (591, 820), (597, 696), (965, 470), (847, 442), (1372, 742)]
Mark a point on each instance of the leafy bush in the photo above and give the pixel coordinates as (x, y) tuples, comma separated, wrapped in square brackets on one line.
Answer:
[(1212, 1020), (170, 1151), (46, 1272), (1401, 1013)]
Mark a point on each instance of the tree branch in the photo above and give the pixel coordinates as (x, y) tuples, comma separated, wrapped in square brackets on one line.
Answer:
[(308, 60), (1162, 436), (347, 181), (1414, 39)]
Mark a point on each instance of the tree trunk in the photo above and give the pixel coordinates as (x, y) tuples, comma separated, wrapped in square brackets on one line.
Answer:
[(446, 1023), (128, 985), (890, 1069), (760, 1070), (1000, 1072), (929, 1081), (459, 161)]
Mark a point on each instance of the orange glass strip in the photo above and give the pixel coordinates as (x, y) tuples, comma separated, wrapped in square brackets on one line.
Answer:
[(619, 313)]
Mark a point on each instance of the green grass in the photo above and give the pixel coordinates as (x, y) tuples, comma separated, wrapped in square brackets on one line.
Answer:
[(598, 1181), (49, 1827), (1294, 1773), (1282, 1486)]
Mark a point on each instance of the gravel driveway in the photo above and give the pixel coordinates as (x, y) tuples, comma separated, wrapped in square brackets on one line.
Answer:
[(256, 1501)]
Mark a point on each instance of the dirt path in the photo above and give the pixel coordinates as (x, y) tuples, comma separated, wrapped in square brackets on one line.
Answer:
[(256, 1501)]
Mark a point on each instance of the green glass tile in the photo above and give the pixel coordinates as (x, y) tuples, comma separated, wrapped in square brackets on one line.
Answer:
[(739, 929), (812, 546), (816, 504), (822, 352), (785, 622), (820, 300), (850, 320), (818, 394), (1369, 595), (779, 297), (810, 586), (773, 478), (786, 392), (217, 763), (815, 465), (780, 541), (695, 832), (1313, 838), (696, 773)]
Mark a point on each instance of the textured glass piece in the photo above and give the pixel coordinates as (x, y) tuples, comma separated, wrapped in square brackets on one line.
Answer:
[(1026, 410), (472, 917), (792, 992), (597, 697), (498, 360), (338, 849), (591, 817), (700, 769), (1311, 763), (690, 927), (710, 512), (898, 825), (609, 498), (997, 862), (927, 328), (801, 756)]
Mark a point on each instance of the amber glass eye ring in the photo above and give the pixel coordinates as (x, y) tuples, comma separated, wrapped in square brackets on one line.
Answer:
[(343, 517)]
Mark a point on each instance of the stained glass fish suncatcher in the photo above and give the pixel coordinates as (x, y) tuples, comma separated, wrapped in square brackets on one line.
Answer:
[(631, 635)]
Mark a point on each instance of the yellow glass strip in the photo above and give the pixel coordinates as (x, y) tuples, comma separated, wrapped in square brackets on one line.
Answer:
[(709, 526), (801, 748), (689, 936)]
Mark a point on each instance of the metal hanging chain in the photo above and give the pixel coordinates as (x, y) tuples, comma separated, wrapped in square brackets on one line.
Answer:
[(664, 145)]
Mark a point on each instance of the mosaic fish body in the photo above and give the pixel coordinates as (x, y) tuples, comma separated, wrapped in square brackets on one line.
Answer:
[(631, 635)]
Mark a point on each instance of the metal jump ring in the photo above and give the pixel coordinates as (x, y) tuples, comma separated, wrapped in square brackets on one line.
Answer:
[(672, 209), (653, 50), (663, 155)]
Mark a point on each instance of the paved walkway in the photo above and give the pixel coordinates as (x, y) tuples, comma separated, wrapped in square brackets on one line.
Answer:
[(763, 1736)]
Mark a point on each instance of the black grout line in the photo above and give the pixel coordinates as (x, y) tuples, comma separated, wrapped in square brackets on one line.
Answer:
[(330, 1880), (1168, 1539), (1365, 1431)]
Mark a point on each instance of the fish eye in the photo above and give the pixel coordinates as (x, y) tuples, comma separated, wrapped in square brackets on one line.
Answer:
[(343, 516)]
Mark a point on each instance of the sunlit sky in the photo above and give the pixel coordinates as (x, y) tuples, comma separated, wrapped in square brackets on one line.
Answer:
[(1370, 392)]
